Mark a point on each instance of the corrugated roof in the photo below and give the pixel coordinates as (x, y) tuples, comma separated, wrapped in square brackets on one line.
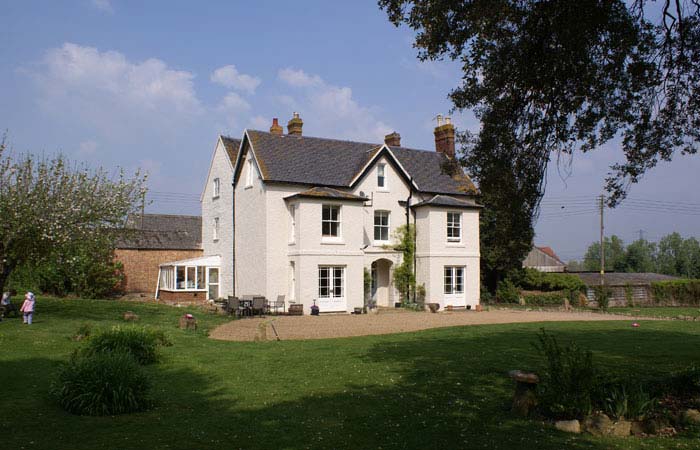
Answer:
[(335, 163), (162, 232)]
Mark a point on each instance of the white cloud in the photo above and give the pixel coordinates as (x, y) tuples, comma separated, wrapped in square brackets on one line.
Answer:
[(299, 78), (103, 5), (87, 148), (112, 93), (233, 102), (228, 76), (260, 123), (331, 111)]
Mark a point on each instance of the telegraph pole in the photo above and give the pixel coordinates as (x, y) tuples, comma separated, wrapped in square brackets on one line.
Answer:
[(602, 241), (641, 235)]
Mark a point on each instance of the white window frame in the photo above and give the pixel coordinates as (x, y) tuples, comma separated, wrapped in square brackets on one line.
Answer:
[(292, 223), (387, 226), (216, 188), (450, 226), (215, 232), (332, 281), (330, 237), (451, 273), (249, 177), (381, 177), (210, 284)]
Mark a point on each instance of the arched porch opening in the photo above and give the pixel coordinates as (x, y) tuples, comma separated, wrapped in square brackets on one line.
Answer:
[(382, 293)]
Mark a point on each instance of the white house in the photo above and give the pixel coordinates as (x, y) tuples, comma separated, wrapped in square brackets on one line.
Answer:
[(287, 214)]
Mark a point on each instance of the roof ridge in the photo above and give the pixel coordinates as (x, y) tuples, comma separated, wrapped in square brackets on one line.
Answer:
[(316, 137), (164, 215)]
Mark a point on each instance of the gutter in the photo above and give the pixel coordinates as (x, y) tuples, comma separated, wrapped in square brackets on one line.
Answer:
[(233, 231)]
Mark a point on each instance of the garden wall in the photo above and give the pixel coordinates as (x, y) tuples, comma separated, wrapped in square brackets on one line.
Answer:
[(141, 266)]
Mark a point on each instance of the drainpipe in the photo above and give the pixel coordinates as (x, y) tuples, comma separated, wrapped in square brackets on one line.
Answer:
[(415, 250), (233, 220), (408, 225)]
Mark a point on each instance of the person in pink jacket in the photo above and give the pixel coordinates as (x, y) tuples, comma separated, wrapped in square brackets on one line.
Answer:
[(28, 307)]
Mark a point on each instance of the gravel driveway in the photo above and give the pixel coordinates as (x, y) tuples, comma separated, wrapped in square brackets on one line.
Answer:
[(385, 322)]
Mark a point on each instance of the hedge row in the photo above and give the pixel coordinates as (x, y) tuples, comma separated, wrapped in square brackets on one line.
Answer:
[(535, 280), (677, 292), (545, 298)]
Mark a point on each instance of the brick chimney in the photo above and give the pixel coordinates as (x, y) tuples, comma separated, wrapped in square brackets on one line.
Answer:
[(393, 139), (294, 125), (275, 128), (445, 136)]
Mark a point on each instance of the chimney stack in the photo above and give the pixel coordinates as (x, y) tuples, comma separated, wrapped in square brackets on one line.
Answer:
[(294, 125), (275, 128), (445, 136), (393, 139)]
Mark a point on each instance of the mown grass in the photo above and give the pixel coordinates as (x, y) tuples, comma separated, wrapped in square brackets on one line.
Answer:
[(658, 311), (443, 388)]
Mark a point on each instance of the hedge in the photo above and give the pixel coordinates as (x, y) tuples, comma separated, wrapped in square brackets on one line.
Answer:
[(545, 298), (677, 292), (549, 281)]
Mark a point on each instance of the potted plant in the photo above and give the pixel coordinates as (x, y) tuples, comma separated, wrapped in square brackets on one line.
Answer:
[(314, 309)]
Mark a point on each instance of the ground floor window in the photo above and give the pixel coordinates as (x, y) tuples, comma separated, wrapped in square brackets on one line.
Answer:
[(330, 281), (454, 280), (213, 282)]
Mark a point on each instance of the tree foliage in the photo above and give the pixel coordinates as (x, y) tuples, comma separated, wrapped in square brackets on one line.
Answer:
[(549, 78), (49, 207)]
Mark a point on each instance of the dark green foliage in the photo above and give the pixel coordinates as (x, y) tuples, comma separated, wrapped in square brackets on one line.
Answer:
[(685, 383), (141, 343), (507, 292), (545, 298), (546, 281), (102, 384), (404, 278), (568, 379), (629, 400), (84, 332), (602, 296), (677, 292), (614, 255)]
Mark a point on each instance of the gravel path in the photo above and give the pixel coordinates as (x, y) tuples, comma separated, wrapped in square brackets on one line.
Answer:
[(386, 322)]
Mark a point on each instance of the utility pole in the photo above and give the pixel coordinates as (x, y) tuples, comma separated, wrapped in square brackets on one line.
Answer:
[(602, 241), (641, 235)]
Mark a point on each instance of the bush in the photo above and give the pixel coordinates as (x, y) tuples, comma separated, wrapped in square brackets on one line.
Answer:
[(535, 280), (140, 343), (626, 400), (602, 296), (677, 292), (545, 298), (686, 382), (568, 381), (507, 292), (102, 384)]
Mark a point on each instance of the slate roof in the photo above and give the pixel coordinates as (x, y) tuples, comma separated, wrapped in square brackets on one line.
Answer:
[(231, 145), (326, 192), (621, 279), (335, 163), (161, 232), (444, 200)]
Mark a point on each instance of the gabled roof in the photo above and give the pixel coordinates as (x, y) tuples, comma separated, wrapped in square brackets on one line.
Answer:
[(451, 202), (231, 145), (326, 192), (161, 232), (549, 252), (336, 163)]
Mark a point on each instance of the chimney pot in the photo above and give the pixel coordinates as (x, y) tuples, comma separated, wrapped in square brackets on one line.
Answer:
[(445, 137), (294, 125), (393, 139), (275, 128)]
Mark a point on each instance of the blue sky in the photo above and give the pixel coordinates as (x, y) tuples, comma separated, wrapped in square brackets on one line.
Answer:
[(149, 85)]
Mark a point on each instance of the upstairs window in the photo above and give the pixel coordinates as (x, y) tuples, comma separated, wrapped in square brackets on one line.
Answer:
[(381, 225), (381, 176), (330, 221), (217, 188), (292, 222), (454, 227), (249, 177), (215, 232)]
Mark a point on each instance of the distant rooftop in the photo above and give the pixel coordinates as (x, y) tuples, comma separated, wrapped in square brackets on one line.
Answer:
[(162, 232)]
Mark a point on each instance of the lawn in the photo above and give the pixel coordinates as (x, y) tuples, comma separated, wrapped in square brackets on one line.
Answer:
[(658, 311), (442, 388)]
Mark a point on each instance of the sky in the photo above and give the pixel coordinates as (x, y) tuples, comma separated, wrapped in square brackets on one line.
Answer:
[(150, 86)]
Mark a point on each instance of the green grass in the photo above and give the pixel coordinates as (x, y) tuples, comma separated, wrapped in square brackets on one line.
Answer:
[(658, 311), (444, 388)]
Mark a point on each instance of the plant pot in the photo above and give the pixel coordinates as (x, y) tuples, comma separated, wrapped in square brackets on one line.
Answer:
[(358, 310), (433, 307), (397, 304)]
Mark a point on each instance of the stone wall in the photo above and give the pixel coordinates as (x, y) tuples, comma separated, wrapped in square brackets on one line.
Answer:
[(141, 266)]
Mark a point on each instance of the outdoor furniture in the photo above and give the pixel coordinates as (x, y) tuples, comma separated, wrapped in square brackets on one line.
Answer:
[(259, 305), (277, 305), (233, 306)]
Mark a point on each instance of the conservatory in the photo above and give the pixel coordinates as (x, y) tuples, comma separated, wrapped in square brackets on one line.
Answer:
[(189, 279)]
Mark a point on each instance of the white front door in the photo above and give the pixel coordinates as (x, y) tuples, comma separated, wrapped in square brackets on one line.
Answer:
[(454, 286), (331, 289)]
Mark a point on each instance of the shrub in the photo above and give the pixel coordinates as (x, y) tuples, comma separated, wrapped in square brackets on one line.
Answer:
[(83, 332), (535, 280), (102, 384), (140, 343), (545, 298), (686, 382), (626, 400), (677, 292), (507, 292), (568, 381), (602, 296)]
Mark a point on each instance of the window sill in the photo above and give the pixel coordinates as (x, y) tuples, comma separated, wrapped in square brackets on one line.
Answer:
[(381, 243), (332, 242), (383, 190), (455, 244)]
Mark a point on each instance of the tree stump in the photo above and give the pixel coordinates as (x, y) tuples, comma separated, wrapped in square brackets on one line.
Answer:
[(188, 322), (524, 399)]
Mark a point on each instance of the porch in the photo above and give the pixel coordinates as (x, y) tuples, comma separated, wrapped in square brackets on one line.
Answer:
[(192, 280)]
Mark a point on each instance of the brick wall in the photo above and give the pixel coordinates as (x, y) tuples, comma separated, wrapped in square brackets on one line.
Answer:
[(141, 266), (182, 297)]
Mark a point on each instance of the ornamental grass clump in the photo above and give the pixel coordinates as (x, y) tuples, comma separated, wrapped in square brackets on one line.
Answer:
[(102, 384), (141, 343)]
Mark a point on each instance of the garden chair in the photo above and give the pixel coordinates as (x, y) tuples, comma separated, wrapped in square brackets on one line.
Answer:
[(277, 305), (259, 305), (233, 306)]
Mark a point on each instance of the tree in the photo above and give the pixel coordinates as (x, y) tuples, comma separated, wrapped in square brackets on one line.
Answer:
[(639, 256), (614, 255), (48, 205), (549, 78), (404, 278)]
